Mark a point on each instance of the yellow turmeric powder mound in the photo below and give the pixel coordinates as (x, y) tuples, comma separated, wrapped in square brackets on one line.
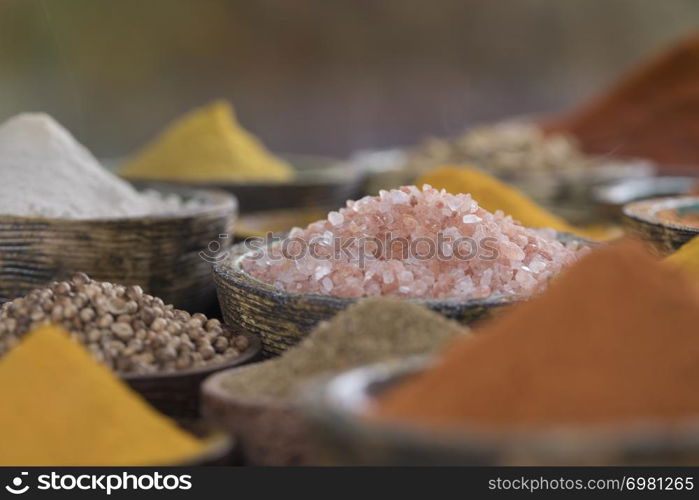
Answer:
[(686, 259), (61, 407), (207, 145), (493, 195)]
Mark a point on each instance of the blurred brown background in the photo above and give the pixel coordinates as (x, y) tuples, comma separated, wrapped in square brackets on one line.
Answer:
[(318, 76)]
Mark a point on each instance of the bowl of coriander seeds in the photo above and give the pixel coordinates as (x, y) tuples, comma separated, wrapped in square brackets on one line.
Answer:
[(162, 352)]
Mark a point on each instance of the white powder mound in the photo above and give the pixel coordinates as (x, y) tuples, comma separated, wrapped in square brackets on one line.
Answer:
[(45, 172)]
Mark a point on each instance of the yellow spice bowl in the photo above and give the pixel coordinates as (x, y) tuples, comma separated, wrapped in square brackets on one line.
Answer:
[(219, 446), (319, 182), (161, 253)]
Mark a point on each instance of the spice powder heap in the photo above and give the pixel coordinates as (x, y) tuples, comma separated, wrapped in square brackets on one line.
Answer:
[(62, 408), (651, 113), (493, 194), (46, 172), (417, 244), (208, 145), (613, 340), (372, 330)]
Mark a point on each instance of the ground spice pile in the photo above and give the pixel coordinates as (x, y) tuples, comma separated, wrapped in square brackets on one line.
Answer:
[(207, 145), (46, 172), (373, 330), (653, 112), (61, 408), (615, 339), (413, 243)]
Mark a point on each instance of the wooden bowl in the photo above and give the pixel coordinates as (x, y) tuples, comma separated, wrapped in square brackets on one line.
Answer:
[(319, 182), (282, 319), (641, 219), (336, 414), (161, 253), (268, 433), (176, 394)]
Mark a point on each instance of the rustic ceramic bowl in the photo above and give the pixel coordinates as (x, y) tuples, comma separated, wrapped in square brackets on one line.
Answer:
[(176, 394), (319, 182), (336, 411), (268, 433), (161, 252), (282, 319), (641, 220)]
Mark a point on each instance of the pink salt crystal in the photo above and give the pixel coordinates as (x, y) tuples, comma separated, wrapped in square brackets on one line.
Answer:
[(470, 219), (407, 219), (335, 218)]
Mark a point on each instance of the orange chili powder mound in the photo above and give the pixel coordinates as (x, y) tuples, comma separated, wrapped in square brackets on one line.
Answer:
[(615, 339), (651, 113)]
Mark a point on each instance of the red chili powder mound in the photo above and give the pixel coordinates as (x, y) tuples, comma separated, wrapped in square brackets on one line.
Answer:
[(651, 113), (615, 339)]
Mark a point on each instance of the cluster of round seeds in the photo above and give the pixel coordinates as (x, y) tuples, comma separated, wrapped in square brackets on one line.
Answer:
[(128, 330)]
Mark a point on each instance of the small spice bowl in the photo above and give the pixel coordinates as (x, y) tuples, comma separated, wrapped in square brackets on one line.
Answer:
[(177, 394), (611, 198), (282, 319), (337, 409), (319, 182), (161, 253), (269, 433), (667, 223)]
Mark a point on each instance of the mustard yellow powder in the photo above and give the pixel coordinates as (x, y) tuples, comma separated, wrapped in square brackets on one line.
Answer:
[(61, 407), (493, 195), (207, 145)]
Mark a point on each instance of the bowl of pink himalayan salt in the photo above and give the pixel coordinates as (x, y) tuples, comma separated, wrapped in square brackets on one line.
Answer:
[(441, 250)]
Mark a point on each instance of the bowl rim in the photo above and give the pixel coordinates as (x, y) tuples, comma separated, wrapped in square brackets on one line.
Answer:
[(249, 354), (608, 192), (214, 201), (634, 209), (343, 402)]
